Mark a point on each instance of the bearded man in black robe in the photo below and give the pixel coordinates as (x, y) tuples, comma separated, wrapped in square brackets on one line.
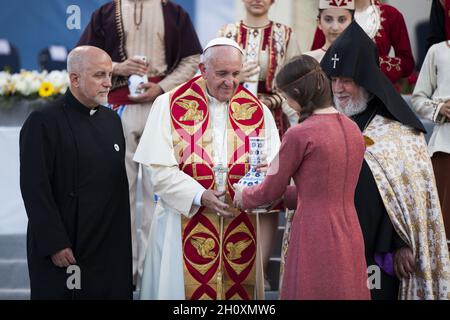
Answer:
[(75, 189), (396, 197)]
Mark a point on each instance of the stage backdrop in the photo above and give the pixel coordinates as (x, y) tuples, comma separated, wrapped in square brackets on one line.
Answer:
[(33, 25)]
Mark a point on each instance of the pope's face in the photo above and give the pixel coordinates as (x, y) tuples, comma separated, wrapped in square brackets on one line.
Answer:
[(221, 72)]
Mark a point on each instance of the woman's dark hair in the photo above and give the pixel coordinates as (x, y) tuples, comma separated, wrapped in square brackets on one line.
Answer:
[(302, 80), (352, 12)]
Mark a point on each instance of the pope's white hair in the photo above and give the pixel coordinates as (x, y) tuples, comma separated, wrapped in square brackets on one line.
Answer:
[(211, 53)]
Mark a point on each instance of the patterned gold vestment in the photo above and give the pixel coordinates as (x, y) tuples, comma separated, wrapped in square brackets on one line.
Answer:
[(403, 172)]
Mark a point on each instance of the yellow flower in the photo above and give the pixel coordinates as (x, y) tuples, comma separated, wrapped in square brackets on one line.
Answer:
[(46, 89)]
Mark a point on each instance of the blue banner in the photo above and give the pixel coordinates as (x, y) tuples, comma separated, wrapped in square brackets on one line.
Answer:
[(32, 25)]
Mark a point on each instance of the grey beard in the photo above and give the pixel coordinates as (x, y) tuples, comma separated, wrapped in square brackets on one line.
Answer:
[(101, 101), (354, 106)]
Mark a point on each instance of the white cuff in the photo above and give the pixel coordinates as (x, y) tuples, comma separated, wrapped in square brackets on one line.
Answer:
[(198, 198)]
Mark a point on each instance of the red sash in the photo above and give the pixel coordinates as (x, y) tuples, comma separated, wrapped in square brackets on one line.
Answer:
[(219, 255)]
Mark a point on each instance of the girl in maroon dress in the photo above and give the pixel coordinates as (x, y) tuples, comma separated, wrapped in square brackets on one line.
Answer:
[(323, 154)]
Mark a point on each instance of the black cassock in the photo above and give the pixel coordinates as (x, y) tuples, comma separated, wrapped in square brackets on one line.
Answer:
[(75, 190)]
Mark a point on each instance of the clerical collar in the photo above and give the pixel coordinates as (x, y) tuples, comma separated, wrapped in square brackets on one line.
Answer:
[(212, 100), (77, 105)]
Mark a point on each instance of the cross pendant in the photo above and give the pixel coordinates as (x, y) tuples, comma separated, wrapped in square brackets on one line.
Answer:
[(335, 59)]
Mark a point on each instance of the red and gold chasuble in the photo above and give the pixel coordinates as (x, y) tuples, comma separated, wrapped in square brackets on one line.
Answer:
[(219, 254)]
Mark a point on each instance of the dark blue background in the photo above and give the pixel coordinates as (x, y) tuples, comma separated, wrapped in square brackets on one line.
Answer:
[(32, 25)]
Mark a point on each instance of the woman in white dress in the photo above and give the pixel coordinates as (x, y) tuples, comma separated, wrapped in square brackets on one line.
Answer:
[(431, 100)]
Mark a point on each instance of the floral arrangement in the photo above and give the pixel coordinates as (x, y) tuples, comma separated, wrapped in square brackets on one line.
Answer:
[(33, 84)]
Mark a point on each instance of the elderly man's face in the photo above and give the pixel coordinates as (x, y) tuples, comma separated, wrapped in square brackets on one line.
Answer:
[(349, 98), (94, 81), (221, 72), (345, 90)]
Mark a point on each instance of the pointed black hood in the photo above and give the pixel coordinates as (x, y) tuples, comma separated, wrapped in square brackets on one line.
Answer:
[(353, 54)]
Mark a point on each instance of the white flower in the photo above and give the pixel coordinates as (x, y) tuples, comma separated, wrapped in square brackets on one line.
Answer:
[(22, 82), (59, 80), (27, 83), (5, 82)]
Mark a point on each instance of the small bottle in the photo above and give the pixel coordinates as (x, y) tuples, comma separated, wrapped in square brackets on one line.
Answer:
[(135, 80)]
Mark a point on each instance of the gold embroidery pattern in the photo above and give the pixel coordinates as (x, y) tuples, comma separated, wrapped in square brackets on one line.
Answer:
[(192, 112), (238, 268), (203, 247), (243, 111), (190, 105), (405, 180), (245, 128), (235, 249)]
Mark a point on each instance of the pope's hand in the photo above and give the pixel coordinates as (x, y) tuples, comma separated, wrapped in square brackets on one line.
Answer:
[(63, 258), (211, 200), (131, 66), (404, 262), (249, 69), (152, 91)]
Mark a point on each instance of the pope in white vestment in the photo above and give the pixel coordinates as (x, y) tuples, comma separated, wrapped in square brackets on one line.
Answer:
[(203, 124)]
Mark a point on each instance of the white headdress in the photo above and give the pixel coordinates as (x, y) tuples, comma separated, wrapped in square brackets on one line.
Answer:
[(222, 41), (341, 4)]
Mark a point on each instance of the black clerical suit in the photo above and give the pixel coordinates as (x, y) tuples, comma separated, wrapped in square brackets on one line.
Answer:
[(75, 190)]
